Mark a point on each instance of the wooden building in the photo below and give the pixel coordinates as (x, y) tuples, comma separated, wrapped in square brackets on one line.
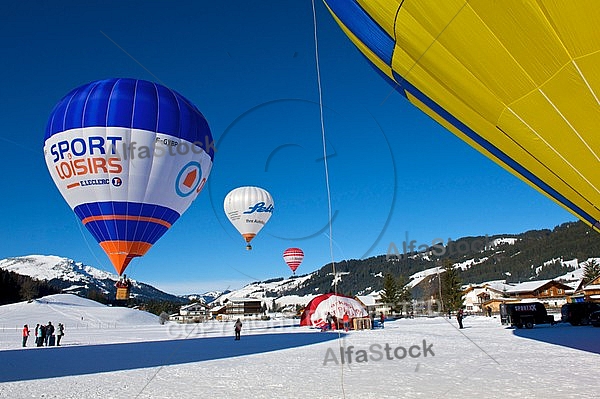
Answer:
[(477, 297), (551, 293), (589, 292), (191, 313), (243, 308)]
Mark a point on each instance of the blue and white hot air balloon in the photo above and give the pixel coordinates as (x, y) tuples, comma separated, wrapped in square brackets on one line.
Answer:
[(129, 156)]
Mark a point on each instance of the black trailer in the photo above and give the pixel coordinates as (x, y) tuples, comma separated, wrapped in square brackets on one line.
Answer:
[(525, 314), (578, 313)]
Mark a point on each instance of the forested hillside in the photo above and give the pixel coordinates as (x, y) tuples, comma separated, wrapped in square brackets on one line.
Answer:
[(16, 288), (536, 254)]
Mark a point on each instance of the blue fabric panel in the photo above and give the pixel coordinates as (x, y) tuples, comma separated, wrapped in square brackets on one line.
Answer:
[(364, 28), (130, 103), (126, 230), (146, 109), (120, 106), (126, 208)]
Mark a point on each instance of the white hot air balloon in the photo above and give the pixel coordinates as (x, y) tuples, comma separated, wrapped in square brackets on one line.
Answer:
[(248, 209)]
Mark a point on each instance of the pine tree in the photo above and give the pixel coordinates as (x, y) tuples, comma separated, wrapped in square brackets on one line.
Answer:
[(451, 291), (390, 294), (28, 290), (404, 295), (591, 271)]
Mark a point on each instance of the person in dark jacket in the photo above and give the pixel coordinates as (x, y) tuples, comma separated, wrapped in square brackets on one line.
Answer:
[(238, 329), (37, 337), (50, 334), (329, 319), (459, 318)]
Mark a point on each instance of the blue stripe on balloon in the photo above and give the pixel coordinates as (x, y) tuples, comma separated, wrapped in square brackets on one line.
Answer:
[(170, 106), (131, 103), (364, 28), (126, 230), (146, 106), (121, 104), (126, 208), (96, 104), (75, 111)]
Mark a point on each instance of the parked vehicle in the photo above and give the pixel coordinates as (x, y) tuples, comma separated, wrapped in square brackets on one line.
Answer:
[(578, 313), (524, 314), (595, 318)]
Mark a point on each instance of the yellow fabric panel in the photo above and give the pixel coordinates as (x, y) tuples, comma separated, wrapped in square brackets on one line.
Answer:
[(570, 94), (556, 173), (576, 22), (483, 56), (451, 58), (588, 66), (385, 68), (523, 31), (559, 136), (382, 11), (417, 27), (457, 80)]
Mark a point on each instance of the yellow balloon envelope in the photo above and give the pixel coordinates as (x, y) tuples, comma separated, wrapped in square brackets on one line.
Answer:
[(519, 80)]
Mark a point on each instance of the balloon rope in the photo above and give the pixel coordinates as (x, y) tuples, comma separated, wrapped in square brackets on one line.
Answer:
[(329, 212)]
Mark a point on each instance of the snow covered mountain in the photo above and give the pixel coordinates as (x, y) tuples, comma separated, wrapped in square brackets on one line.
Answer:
[(77, 278), (207, 297), (274, 293)]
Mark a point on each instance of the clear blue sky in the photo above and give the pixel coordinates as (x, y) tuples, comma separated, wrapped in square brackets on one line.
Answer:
[(250, 68)]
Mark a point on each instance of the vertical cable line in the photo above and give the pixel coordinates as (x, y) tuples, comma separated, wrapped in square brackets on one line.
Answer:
[(329, 212)]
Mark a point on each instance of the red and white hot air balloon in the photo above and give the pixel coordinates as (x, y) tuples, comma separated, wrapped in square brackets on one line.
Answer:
[(293, 257)]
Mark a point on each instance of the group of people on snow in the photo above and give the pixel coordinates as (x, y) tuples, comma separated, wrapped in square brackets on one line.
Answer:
[(331, 321), (45, 335)]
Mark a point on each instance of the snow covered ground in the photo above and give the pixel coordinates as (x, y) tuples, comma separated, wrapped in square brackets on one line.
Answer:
[(123, 353)]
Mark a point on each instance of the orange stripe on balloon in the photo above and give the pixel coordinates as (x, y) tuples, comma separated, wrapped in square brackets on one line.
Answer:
[(126, 217), (248, 237), (122, 252)]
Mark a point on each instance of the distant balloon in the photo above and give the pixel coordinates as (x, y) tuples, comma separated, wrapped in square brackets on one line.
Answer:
[(517, 80), (293, 257), (129, 156), (248, 209)]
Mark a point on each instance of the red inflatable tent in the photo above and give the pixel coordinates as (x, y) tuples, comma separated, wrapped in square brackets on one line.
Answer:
[(315, 313)]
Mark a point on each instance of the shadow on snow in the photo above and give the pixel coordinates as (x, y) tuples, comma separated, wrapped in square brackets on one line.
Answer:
[(30, 364), (585, 338)]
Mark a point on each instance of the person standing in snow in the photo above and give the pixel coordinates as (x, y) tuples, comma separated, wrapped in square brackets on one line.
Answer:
[(25, 335), (37, 337), (372, 320), (238, 329), (381, 319), (41, 335), (329, 320), (50, 334), (459, 318), (60, 331), (346, 320)]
